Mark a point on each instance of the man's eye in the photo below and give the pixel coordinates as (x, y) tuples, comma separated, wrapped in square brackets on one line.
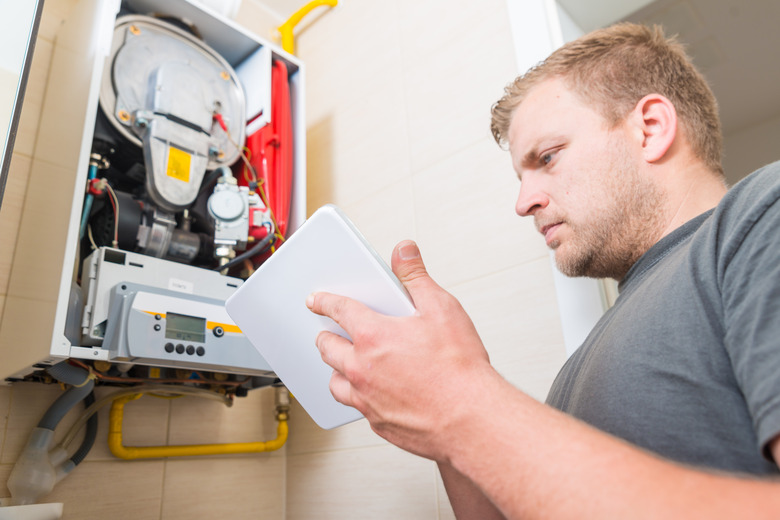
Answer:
[(547, 158)]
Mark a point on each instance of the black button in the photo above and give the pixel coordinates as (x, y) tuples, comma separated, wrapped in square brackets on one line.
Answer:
[(180, 349), (169, 347), (157, 327), (190, 350), (157, 317), (219, 332), (200, 351)]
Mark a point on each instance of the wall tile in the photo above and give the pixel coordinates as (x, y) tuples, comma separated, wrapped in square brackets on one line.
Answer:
[(5, 405), (29, 401), (375, 483), (307, 437), (5, 472), (452, 81), (11, 214), (33, 98), (144, 423), (368, 149), (516, 315), (386, 217), (118, 490), (33, 274), (249, 486), (201, 421), (466, 223), (433, 25), (320, 167), (259, 20), (350, 52)]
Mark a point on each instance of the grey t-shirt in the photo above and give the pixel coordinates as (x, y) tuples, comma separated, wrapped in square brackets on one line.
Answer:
[(687, 362)]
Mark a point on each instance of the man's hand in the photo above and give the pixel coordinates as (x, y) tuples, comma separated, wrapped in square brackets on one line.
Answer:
[(410, 376)]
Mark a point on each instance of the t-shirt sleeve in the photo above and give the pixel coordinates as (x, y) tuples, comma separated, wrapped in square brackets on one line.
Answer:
[(751, 298)]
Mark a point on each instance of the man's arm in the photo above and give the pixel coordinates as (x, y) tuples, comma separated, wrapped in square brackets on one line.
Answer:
[(774, 449), (467, 501), (425, 384)]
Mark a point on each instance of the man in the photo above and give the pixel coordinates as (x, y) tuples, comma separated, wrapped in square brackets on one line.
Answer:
[(616, 141)]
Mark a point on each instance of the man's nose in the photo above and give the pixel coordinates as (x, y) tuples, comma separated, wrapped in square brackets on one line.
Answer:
[(530, 199)]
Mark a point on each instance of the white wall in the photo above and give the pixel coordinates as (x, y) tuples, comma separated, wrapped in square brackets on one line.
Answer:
[(751, 148)]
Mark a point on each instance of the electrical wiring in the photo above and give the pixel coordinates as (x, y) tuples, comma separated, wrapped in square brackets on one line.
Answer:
[(138, 380), (257, 249), (114, 204), (91, 237), (67, 440), (250, 268), (249, 168)]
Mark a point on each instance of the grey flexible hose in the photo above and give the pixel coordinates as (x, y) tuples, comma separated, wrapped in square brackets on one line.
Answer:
[(82, 387)]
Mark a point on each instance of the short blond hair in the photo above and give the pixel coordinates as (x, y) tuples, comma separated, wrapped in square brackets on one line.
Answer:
[(614, 68)]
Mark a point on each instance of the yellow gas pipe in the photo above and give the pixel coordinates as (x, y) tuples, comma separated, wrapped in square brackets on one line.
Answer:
[(118, 449), (286, 29)]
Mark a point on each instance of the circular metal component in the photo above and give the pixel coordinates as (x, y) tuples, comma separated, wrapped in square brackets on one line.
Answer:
[(226, 205), (197, 79)]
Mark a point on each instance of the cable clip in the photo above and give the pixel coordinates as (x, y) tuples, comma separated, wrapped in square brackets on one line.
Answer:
[(97, 187), (90, 377)]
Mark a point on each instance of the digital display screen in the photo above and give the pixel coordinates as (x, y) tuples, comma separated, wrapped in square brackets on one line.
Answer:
[(185, 328)]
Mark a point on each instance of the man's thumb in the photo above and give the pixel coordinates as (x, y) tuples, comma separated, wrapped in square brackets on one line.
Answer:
[(408, 265)]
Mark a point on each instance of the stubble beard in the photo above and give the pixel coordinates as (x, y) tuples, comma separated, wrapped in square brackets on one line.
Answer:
[(619, 230)]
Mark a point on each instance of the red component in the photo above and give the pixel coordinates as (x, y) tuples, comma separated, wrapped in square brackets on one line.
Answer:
[(271, 149), (97, 187), (221, 121)]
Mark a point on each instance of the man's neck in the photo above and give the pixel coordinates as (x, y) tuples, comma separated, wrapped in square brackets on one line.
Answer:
[(692, 193)]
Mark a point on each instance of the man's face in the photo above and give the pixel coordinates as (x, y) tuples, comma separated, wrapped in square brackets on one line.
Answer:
[(583, 183)]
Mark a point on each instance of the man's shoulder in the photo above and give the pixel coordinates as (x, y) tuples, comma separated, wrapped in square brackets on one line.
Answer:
[(765, 182), (752, 196)]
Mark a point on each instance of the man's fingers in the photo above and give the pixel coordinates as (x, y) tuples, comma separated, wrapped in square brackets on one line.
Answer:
[(341, 389), (408, 266), (333, 349), (344, 311)]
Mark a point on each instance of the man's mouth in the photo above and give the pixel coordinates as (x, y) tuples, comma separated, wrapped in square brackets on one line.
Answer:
[(548, 231)]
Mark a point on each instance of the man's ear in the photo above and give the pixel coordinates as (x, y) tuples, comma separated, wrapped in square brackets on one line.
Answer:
[(656, 119)]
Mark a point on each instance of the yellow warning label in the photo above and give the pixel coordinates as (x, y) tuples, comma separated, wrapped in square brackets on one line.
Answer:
[(154, 373), (178, 164)]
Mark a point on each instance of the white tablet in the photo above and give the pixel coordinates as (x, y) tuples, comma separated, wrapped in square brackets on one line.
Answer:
[(327, 253)]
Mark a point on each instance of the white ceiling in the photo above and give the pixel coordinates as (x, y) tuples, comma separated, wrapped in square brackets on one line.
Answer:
[(733, 42), (592, 14)]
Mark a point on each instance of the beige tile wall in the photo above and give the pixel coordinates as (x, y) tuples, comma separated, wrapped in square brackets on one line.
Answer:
[(398, 101), (398, 97)]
